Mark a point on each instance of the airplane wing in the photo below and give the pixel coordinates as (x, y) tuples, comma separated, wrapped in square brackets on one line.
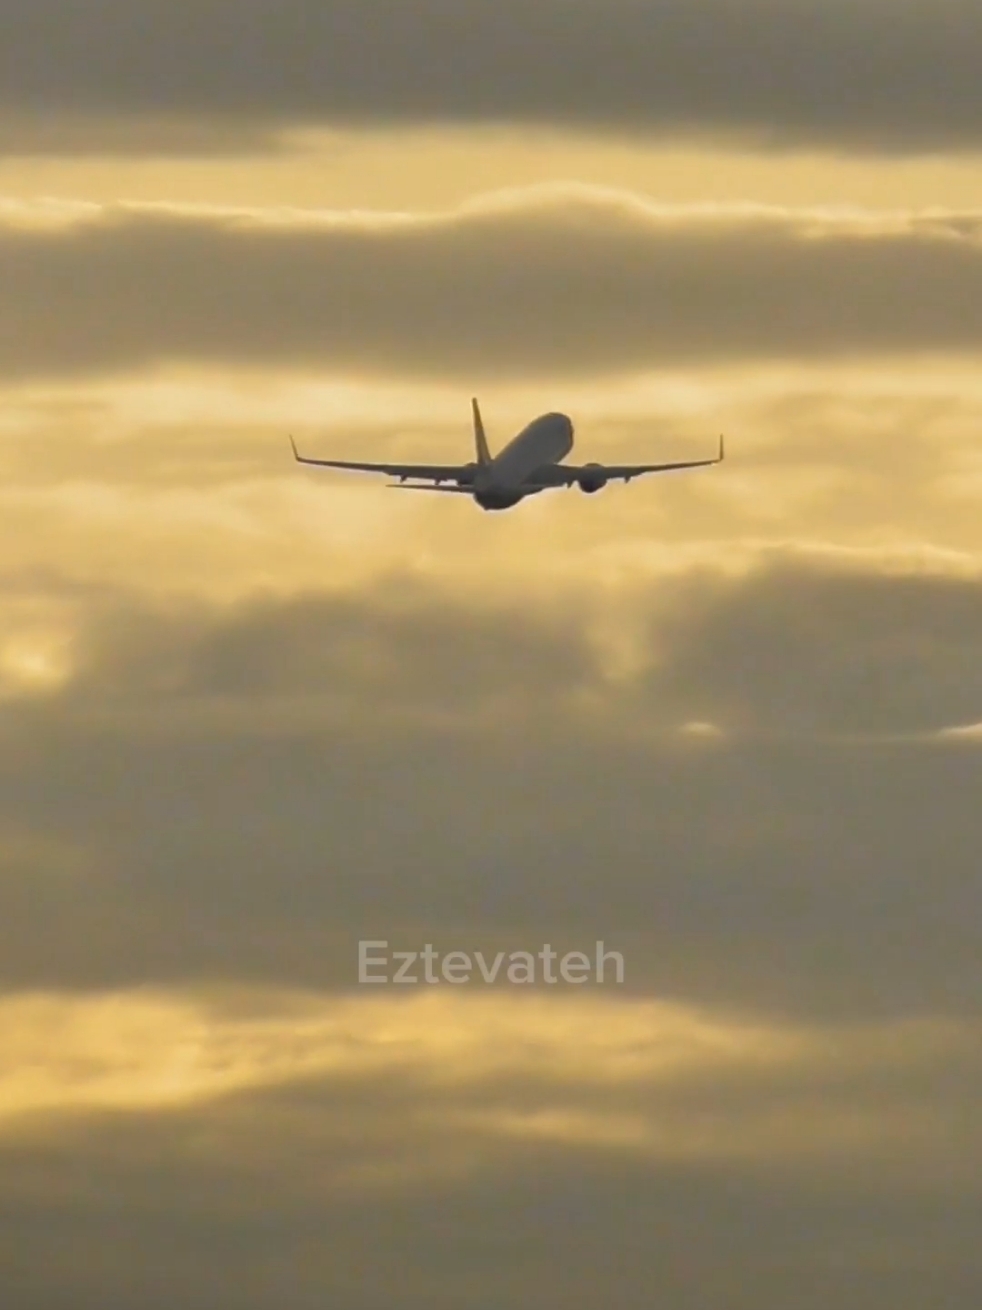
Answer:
[(568, 473), (425, 472)]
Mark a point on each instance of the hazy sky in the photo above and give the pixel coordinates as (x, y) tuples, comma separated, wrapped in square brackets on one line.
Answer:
[(729, 722)]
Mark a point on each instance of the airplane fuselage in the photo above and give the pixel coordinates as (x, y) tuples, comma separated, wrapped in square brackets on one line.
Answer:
[(522, 468)]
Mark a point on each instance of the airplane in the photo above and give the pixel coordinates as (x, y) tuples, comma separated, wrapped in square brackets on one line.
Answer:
[(529, 464)]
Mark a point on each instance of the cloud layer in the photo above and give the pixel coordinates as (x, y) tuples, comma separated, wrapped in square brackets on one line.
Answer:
[(555, 283), (870, 75), (433, 1136), (242, 793), (210, 804)]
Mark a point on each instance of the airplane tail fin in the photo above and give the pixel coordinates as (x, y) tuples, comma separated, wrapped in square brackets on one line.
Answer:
[(480, 440)]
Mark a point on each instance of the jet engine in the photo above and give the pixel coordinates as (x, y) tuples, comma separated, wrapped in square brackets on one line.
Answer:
[(591, 482), (465, 478)]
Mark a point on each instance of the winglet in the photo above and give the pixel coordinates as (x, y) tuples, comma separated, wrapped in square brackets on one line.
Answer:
[(720, 458), (296, 453)]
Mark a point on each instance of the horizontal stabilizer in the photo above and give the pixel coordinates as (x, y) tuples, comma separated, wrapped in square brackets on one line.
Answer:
[(423, 486)]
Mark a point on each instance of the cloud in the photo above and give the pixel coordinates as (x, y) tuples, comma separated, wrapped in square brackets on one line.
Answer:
[(199, 823), (271, 1142), (866, 76), (75, 1055), (504, 1064), (408, 647), (242, 792), (794, 643), (39, 133), (553, 283), (805, 648)]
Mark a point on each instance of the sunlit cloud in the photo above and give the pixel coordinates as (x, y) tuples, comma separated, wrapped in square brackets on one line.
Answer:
[(574, 1071), (35, 662)]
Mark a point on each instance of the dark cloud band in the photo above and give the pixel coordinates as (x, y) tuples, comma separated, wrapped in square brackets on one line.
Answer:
[(292, 772), (550, 284), (897, 76)]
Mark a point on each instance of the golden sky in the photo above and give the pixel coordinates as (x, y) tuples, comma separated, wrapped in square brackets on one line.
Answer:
[(726, 722)]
